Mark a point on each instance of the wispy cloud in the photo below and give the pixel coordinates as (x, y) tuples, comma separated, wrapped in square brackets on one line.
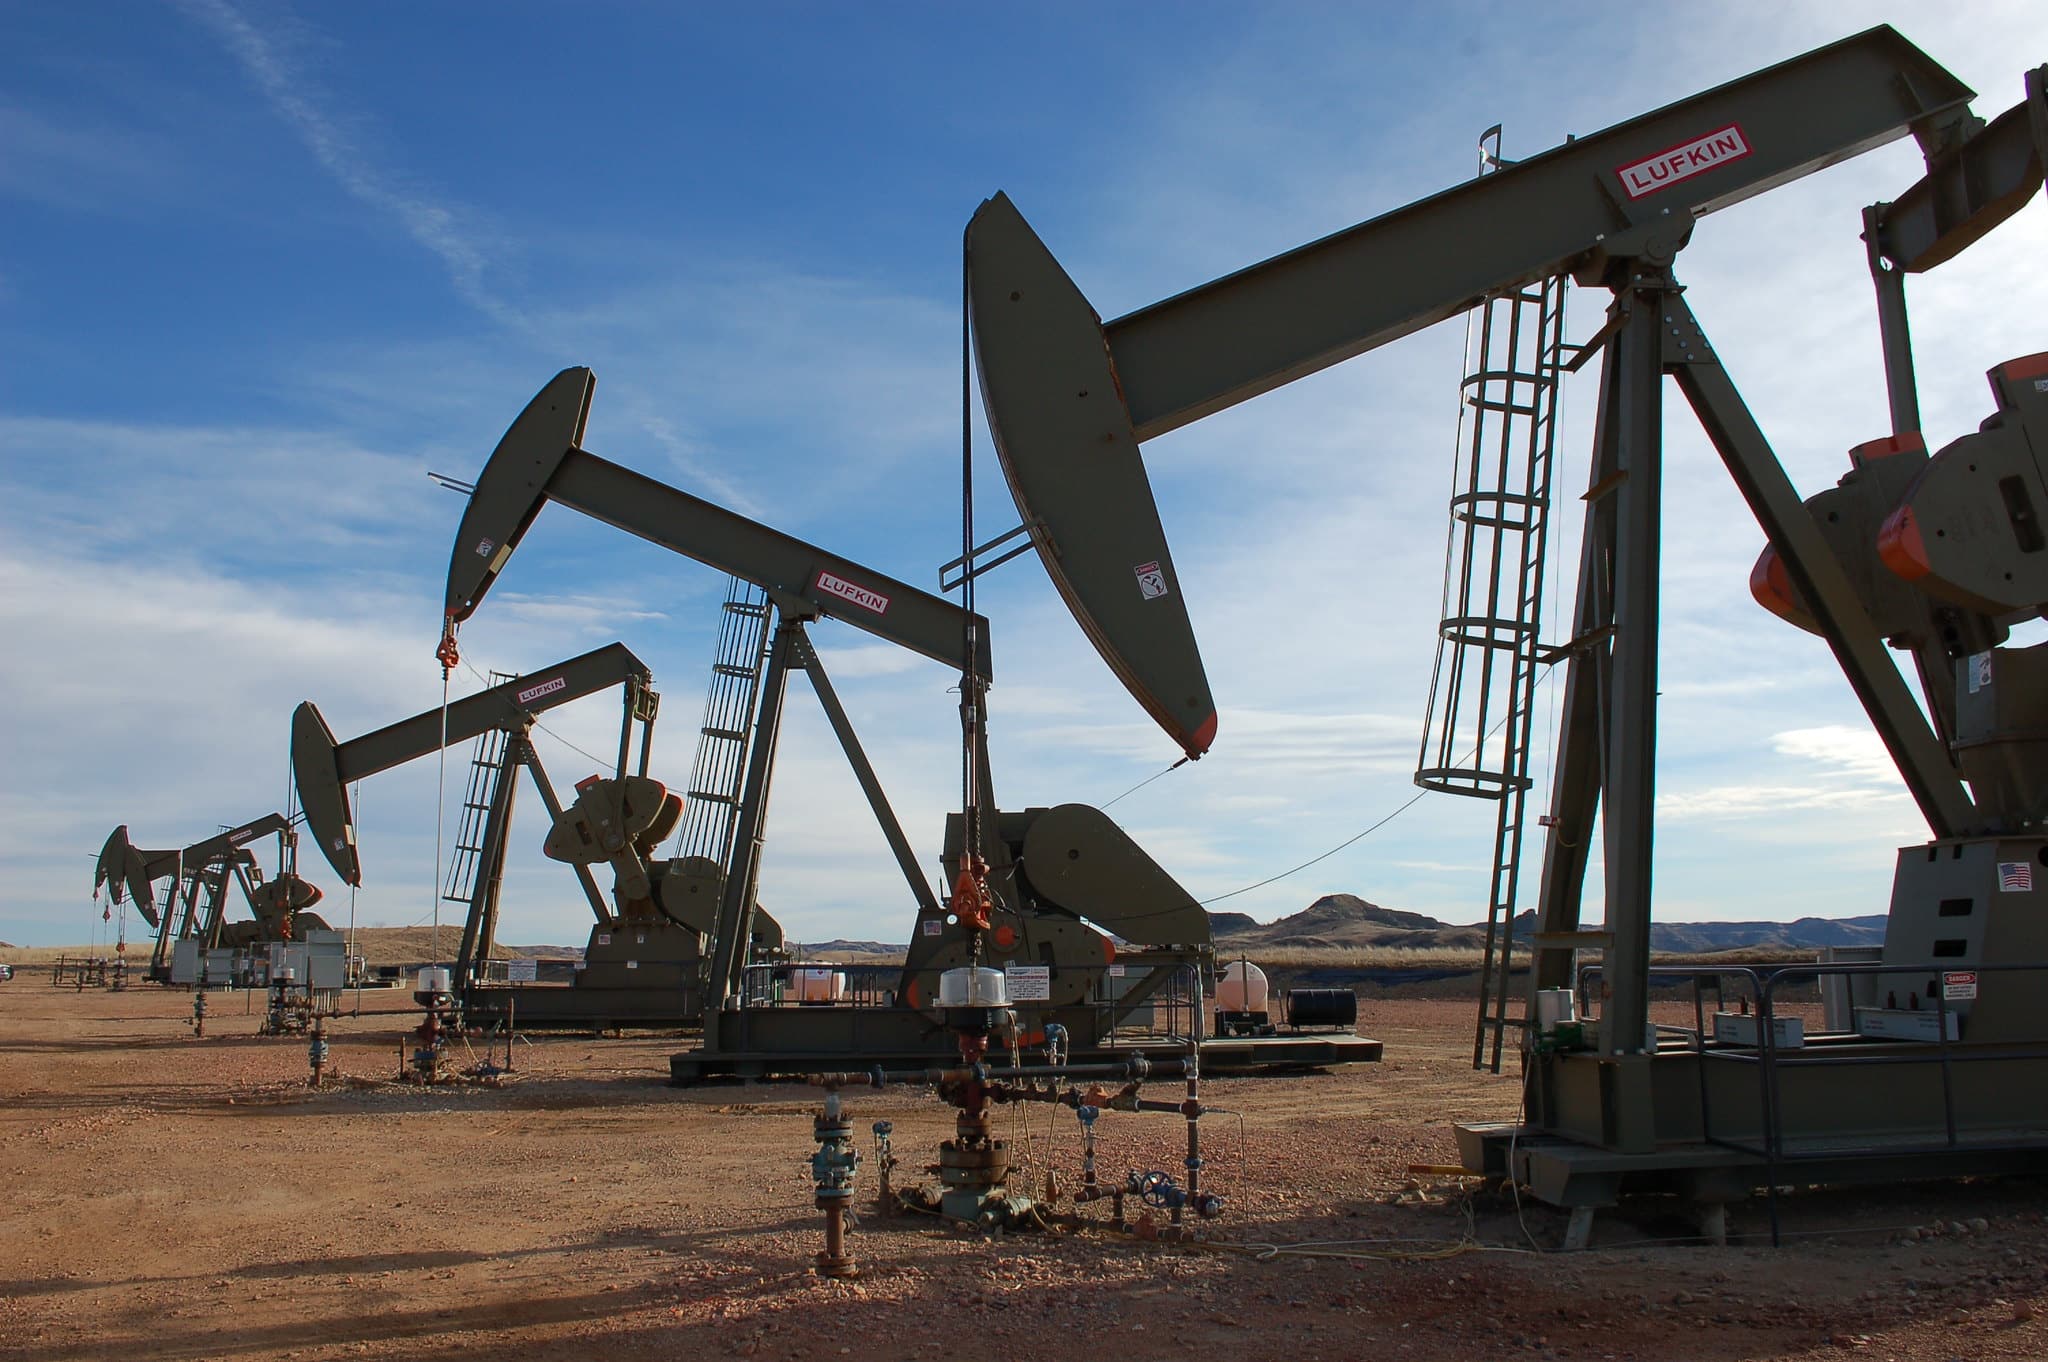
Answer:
[(440, 226)]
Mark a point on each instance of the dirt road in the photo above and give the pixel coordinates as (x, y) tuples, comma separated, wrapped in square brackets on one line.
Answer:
[(166, 1197)]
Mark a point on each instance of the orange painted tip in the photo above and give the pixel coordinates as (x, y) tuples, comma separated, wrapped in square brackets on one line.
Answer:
[(1198, 741), (1108, 951), (1905, 442), (2026, 366), (1771, 585), (1900, 546)]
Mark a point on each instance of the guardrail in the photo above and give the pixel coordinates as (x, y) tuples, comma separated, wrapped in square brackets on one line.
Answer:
[(1765, 984)]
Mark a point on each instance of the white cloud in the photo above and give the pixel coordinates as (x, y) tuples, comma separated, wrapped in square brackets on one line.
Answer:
[(172, 588), (441, 227)]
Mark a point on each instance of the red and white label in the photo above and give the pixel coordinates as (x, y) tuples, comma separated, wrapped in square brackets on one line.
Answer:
[(1151, 580), (532, 693), (241, 835), (850, 591), (1684, 161), (1959, 985)]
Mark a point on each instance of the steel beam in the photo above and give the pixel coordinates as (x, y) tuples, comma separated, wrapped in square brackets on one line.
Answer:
[(1969, 189), (1838, 614), (539, 459), (1629, 793), (864, 772), (1268, 324)]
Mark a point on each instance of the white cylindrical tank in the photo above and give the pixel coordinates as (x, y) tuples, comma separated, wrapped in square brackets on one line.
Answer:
[(973, 988), (812, 985), (433, 980), (1242, 988), (1554, 1007)]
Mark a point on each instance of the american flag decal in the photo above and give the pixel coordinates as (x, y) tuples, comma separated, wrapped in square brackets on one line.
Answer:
[(2015, 877)]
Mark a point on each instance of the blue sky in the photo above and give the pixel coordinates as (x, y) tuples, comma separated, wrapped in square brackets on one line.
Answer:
[(262, 266)]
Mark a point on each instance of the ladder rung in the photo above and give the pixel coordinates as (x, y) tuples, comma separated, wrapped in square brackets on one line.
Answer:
[(1511, 408), (728, 669), (713, 796), (730, 734)]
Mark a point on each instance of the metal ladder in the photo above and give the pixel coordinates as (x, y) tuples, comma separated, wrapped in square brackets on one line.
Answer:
[(1476, 735), (728, 727), (486, 768)]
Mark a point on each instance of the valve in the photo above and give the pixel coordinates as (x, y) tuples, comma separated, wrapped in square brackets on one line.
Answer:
[(316, 1051), (885, 1163), (832, 1169)]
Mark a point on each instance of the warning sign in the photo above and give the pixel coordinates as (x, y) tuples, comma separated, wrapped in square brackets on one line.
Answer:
[(1980, 671), (522, 971), (1029, 983), (1151, 580), (1959, 985)]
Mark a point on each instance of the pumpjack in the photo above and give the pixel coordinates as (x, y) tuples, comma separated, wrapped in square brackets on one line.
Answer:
[(199, 880), (646, 950), (1940, 1066), (1071, 902)]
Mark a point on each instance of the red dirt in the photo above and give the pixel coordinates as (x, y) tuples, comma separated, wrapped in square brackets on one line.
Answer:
[(166, 1197)]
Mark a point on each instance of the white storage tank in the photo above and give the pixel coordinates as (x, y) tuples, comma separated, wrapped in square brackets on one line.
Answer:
[(1242, 988)]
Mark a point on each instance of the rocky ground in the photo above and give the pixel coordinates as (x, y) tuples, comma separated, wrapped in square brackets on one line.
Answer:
[(168, 1197)]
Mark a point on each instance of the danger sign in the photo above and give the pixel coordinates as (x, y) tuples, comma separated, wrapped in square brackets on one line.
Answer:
[(1959, 985)]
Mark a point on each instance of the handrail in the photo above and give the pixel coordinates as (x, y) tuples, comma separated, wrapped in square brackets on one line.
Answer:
[(1764, 983)]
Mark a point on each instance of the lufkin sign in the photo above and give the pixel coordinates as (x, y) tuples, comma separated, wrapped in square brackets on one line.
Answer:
[(1683, 161)]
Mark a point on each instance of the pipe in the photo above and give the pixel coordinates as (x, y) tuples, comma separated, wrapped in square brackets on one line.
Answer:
[(316, 1051), (1136, 1067)]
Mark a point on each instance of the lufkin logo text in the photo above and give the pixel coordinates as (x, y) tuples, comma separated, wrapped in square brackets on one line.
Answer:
[(1667, 168), (847, 591), (532, 693)]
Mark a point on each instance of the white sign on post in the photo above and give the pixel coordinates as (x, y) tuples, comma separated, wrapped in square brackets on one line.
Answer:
[(522, 971)]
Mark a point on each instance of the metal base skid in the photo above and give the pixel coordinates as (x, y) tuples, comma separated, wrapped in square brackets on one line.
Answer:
[(795, 1041)]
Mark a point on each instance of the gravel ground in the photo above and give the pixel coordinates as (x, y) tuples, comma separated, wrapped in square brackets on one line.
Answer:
[(168, 1197)]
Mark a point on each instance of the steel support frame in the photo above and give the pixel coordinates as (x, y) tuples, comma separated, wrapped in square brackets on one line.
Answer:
[(743, 874), (1606, 755), (480, 926), (790, 649), (864, 772)]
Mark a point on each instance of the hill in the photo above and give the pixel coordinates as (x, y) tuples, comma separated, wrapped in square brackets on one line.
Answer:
[(416, 945), (1345, 921)]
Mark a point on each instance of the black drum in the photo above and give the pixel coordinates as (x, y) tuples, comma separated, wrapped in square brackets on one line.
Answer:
[(1321, 1007)]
